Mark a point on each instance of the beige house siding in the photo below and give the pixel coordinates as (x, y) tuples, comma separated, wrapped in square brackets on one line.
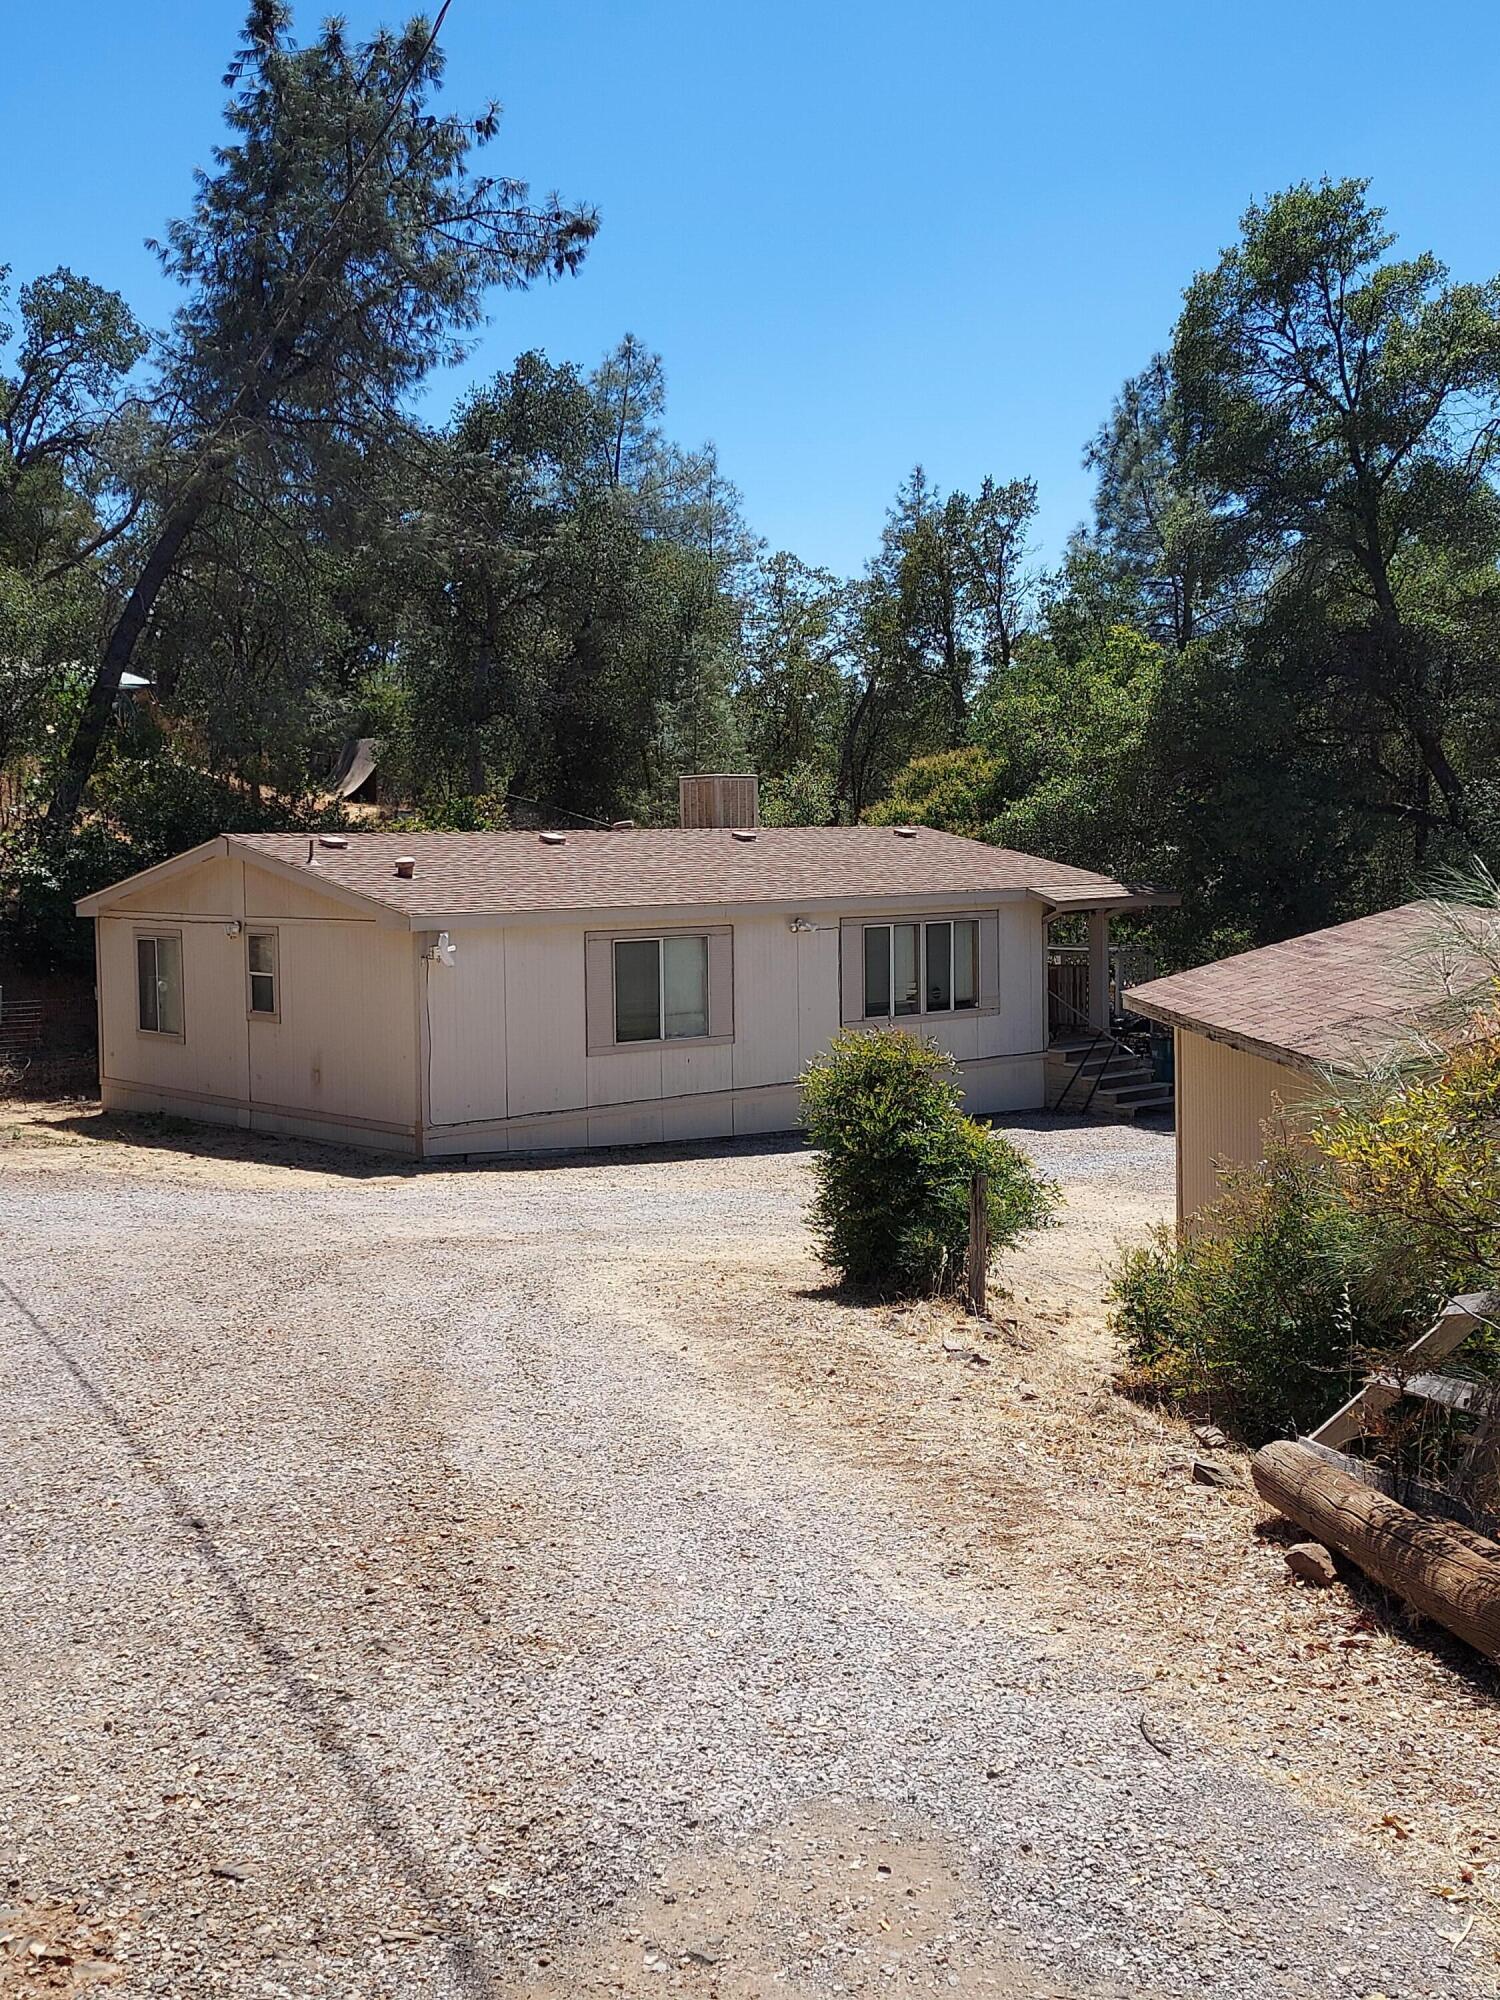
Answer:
[(340, 1061), (209, 889), (375, 1043), (511, 1068), (1225, 1095)]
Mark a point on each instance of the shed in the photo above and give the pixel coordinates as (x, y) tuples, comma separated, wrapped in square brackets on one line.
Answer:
[(1264, 1032), (475, 993)]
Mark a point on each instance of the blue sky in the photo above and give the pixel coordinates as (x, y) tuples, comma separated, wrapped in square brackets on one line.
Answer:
[(861, 235)]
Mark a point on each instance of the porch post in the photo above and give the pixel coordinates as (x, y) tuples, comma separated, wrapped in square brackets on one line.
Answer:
[(1098, 969)]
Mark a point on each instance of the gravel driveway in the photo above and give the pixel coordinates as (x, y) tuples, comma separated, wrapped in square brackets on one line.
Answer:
[(392, 1605)]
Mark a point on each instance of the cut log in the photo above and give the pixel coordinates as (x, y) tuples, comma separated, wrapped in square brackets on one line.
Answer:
[(1445, 1571)]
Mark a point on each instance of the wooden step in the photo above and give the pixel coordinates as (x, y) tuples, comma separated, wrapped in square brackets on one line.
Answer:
[(1161, 1099)]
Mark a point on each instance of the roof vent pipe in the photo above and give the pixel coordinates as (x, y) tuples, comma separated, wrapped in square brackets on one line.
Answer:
[(406, 866)]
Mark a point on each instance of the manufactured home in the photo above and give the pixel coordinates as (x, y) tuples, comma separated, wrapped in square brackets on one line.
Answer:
[(1261, 1037), (475, 993)]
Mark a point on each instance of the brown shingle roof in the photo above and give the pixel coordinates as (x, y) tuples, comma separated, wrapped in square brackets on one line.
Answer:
[(1335, 998), (480, 874)]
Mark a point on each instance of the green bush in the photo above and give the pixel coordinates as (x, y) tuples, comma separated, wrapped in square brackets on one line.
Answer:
[(896, 1157), (141, 810), (1265, 1313)]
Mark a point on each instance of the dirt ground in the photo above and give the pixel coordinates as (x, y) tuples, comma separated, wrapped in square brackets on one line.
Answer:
[(538, 1581)]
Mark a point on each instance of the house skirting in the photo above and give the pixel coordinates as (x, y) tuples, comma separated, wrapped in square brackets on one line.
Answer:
[(288, 1121), (990, 1083)]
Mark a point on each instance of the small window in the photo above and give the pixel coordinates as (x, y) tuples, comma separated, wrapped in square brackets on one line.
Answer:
[(260, 966), (158, 974), (661, 989), (921, 968)]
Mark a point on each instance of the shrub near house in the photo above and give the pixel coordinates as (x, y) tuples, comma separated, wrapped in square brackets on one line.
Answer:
[(1319, 1260), (896, 1159)]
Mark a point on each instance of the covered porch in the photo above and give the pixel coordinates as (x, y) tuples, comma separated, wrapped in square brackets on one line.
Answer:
[(1095, 1061)]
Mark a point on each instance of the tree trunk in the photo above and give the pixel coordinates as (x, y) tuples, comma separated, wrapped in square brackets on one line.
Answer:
[(73, 780), (1443, 1570)]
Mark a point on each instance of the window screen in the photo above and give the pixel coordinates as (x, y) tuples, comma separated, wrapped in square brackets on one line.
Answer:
[(877, 971), (260, 958), (906, 975), (158, 973), (966, 963), (684, 983), (637, 989), (939, 967)]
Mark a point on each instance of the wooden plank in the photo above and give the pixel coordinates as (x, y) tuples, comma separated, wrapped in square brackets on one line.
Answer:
[(1452, 1326), (1445, 1571), (1454, 1392), (1410, 1492)]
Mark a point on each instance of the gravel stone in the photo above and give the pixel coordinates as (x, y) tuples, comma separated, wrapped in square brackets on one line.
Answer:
[(352, 1527)]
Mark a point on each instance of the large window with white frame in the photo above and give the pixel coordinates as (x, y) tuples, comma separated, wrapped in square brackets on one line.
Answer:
[(661, 988), (921, 968), (158, 983)]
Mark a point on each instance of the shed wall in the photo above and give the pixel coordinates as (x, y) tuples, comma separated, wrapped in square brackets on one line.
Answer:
[(1225, 1096)]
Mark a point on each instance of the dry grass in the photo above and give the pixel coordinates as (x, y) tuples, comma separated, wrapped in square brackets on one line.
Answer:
[(1079, 1505)]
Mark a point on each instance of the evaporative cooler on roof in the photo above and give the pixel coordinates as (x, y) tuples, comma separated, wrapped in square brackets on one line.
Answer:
[(718, 798)]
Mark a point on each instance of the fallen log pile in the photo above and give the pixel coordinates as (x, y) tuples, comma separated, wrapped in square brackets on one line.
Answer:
[(1440, 1568)]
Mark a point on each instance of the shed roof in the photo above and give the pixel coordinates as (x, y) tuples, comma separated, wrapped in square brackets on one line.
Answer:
[(497, 874), (1336, 998)]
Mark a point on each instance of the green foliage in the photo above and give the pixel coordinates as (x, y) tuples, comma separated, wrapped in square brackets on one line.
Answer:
[(791, 691), (337, 251), (1418, 1156), (1265, 1311), (896, 1158), (146, 809), (801, 797), (1058, 764), (487, 814), (1342, 406)]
